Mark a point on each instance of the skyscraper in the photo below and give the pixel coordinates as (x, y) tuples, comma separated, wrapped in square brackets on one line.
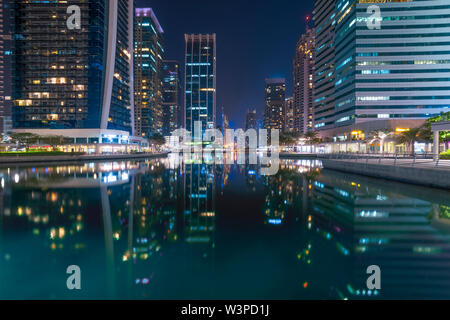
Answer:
[(148, 73), (171, 104), (275, 101), (78, 81), (390, 76), (289, 115), (200, 80), (250, 120), (303, 83), (324, 18), (6, 78)]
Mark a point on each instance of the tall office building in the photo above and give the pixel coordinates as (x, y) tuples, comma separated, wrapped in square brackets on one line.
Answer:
[(324, 19), (78, 81), (148, 73), (303, 83), (289, 115), (394, 76), (251, 120), (6, 76), (171, 93), (200, 81), (274, 104)]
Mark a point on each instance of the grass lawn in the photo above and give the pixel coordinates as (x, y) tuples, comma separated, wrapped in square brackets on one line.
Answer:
[(39, 153)]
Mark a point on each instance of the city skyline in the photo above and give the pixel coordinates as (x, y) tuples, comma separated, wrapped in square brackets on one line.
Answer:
[(242, 44)]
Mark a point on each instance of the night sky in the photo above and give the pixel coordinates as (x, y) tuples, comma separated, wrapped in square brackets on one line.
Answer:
[(255, 40)]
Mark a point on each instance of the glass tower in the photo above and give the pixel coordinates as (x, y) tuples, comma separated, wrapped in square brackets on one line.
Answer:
[(6, 77), (392, 71), (148, 73), (200, 81), (275, 97), (171, 105), (73, 78)]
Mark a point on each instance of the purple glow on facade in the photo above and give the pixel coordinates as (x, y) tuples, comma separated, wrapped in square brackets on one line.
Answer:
[(148, 12)]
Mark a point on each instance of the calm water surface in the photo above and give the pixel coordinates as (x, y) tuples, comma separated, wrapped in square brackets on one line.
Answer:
[(158, 229)]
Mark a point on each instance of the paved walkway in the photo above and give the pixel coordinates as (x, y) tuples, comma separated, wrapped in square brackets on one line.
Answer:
[(418, 163)]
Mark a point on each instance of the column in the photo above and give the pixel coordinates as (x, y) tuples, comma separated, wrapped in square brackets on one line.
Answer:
[(436, 145)]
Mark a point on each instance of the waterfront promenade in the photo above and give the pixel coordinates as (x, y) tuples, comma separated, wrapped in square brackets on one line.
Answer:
[(420, 170), (32, 160)]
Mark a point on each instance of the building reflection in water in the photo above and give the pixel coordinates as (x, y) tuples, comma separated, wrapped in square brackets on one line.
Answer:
[(151, 229)]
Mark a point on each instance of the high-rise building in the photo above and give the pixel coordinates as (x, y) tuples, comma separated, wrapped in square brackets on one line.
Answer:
[(303, 83), (148, 73), (171, 93), (200, 81), (275, 102), (289, 115), (6, 77), (251, 120), (324, 19), (77, 80), (391, 72)]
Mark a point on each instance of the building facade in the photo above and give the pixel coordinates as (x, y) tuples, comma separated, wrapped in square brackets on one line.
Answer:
[(303, 83), (200, 81), (275, 96), (171, 94), (251, 120), (391, 72), (148, 69), (323, 94), (74, 78), (289, 115), (6, 75)]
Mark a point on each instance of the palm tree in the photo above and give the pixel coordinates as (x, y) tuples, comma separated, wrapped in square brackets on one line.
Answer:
[(312, 137), (410, 137)]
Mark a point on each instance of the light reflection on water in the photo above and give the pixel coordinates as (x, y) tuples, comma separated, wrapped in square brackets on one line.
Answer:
[(159, 229)]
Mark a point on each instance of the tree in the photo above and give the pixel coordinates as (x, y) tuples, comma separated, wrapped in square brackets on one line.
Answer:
[(409, 138), (312, 137), (158, 139), (54, 141), (289, 138), (24, 138)]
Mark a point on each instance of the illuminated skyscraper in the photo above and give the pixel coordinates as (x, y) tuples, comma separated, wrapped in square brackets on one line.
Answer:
[(303, 83), (6, 79), (289, 115), (324, 18), (200, 80), (171, 92), (148, 73), (70, 78), (394, 76), (275, 101)]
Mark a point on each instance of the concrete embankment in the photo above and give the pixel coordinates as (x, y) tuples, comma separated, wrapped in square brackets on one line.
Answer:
[(429, 175), (48, 160)]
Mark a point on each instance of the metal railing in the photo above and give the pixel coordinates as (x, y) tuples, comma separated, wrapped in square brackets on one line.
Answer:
[(402, 159)]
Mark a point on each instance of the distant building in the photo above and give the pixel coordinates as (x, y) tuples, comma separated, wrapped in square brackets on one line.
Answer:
[(200, 81), (6, 63), (274, 104), (303, 83), (171, 93), (251, 120), (148, 74), (289, 115)]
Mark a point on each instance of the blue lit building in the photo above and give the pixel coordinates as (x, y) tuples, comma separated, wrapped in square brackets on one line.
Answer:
[(390, 72), (171, 92), (200, 81), (149, 65)]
